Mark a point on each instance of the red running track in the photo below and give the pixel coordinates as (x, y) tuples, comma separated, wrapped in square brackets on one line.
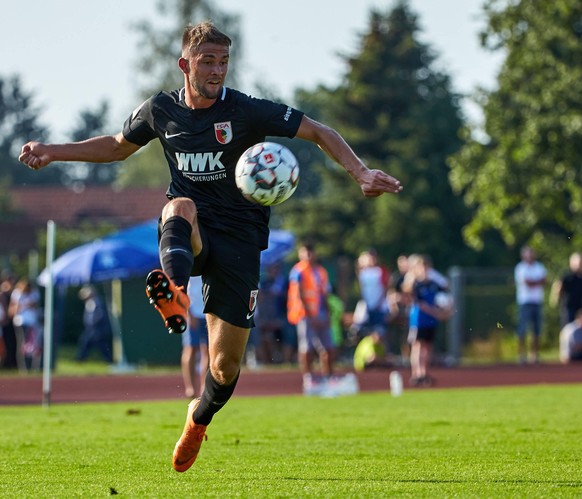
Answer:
[(27, 390)]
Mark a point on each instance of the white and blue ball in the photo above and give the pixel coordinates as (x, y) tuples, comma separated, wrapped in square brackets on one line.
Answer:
[(267, 173)]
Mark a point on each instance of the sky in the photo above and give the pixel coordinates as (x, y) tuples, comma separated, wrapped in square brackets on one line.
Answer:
[(72, 55)]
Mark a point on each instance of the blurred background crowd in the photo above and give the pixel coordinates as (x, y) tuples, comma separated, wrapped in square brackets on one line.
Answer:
[(398, 314)]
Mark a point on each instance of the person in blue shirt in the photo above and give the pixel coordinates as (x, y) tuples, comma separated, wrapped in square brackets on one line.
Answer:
[(424, 316)]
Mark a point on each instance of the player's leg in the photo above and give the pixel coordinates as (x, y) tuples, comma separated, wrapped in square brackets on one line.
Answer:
[(226, 345), (188, 365), (521, 331), (179, 216), (414, 343), (415, 369), (203, 365), (230, 283), (425, 356), (304, 349), (188, 362), (321, 341), (226, 348), (179, 241), (204, 361), (536, 331), (422, 358)]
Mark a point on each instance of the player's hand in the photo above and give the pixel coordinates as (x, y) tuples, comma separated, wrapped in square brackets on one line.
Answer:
[(376, 182), (34, 155)]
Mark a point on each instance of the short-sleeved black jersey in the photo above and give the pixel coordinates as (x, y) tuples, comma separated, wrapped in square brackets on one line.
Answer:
[(202, 147)]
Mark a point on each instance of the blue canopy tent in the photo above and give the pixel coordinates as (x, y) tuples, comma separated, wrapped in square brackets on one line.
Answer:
[(131, 253), (125, 255), (281, 242), (121, 255)]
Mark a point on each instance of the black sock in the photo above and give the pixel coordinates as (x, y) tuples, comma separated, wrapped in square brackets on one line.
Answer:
[(176, 250), (213, 398)]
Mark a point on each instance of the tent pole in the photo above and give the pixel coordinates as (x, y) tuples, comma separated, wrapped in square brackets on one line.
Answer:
[(116, 308)]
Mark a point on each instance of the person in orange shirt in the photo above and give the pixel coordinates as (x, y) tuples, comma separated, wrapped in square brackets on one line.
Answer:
[(307, 309)]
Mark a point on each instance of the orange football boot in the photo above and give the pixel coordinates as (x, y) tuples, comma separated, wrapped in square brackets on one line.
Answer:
[(187, 448), (169, 300)]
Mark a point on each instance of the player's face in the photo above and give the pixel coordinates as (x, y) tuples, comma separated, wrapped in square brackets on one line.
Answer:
[(207, 70)]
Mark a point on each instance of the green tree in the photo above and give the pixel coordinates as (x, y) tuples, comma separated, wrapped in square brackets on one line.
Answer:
[(400, 115), (18, 124), (158, 70), (90, 123), (525, 180)]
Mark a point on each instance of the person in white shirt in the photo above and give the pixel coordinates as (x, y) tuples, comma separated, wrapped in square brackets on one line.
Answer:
[(373, 283), (530, 279)]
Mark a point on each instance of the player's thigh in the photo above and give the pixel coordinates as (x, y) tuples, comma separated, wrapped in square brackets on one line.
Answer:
[(226, 345), (231, 279)]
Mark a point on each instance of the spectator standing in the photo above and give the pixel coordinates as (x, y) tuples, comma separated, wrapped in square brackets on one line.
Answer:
[(424, 317), (567, 291), (571, 340), (24, 308), (3, 317), (96, 326), (8, 333), (274, 344), (194, 358), (373, 283), (307, 309), (399, 304), (530, 279)]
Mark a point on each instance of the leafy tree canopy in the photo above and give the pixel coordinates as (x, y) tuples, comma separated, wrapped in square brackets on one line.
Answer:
[(525, 181), (400, 115), (18, 124), (91, 123)]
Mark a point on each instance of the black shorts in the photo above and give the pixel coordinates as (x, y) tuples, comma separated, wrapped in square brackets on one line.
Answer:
[(422, 334), (230, 270)]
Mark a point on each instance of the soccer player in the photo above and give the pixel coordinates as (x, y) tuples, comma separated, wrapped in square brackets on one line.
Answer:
[(207, 227)]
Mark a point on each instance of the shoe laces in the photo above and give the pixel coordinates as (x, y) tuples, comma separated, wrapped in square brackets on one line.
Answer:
[(195, 435)]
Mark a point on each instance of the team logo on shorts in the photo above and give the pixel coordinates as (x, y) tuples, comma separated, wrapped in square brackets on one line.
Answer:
[(223, 132), (252, 303)]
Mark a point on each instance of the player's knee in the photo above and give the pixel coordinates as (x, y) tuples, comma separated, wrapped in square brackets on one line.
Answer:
[(180, 207), (223, 371)]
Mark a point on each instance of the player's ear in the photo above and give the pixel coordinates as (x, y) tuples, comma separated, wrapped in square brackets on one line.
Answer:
[(183, 65)]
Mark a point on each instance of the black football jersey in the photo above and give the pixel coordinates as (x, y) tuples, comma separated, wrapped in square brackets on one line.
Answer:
[(202, 147)]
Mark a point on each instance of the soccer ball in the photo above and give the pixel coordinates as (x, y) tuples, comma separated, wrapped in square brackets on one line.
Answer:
[(267, 173), (444, 300)]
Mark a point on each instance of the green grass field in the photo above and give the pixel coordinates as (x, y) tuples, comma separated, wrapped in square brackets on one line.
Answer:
[(496, 442)]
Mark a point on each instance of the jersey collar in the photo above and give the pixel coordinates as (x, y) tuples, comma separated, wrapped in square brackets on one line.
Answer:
[(182, 94)]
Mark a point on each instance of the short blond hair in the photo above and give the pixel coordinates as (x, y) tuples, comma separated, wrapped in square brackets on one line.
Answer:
[(204, 32)]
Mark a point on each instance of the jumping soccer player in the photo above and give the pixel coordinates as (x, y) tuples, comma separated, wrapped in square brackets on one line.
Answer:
[(207, 228)]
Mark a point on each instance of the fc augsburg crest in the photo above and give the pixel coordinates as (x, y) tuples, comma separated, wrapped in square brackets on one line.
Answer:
[(223, 132), (253, 300)]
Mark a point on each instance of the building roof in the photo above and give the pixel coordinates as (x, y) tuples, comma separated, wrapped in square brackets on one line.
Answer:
[(32, 207), (70, 208)]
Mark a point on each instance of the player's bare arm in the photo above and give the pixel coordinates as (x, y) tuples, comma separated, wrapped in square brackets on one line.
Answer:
[(103, 149), (372, 182)]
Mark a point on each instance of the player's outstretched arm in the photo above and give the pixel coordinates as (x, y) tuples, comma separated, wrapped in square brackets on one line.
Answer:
[(372, 182), (103, 149)]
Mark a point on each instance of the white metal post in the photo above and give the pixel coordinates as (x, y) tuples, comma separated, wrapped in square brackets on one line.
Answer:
[(48, 314)]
